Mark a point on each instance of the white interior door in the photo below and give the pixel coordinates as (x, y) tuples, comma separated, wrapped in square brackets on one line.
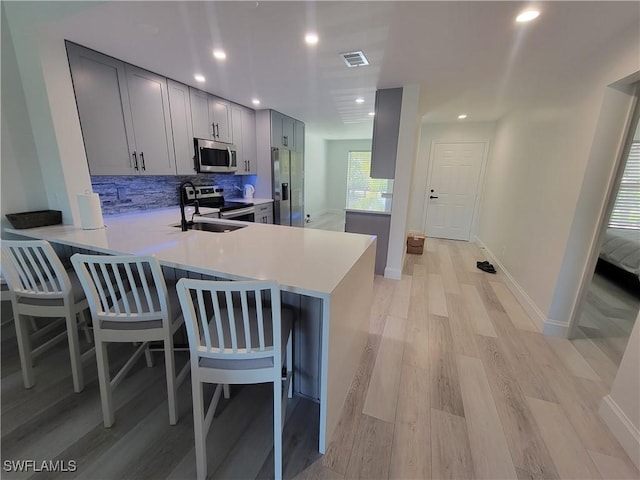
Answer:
[(452, 191)]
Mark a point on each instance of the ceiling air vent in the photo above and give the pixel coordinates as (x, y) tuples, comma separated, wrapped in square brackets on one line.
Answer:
[(355, 59)]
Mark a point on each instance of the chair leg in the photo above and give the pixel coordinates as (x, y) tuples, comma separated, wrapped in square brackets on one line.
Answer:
[(198, 424), (277, 427), (84, 321), (225, 391), (24, 349), (170, 367), (74, 352), (148, 355), (106, 396), (290, 363)]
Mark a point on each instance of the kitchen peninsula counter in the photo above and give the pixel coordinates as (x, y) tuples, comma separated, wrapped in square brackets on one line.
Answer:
[(329, 273)]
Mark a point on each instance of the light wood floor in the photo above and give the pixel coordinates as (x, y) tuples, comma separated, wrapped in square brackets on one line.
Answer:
[(333, 221), (455, 382)]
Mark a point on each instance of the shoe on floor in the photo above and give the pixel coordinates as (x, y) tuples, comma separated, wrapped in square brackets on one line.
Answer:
[(486, 267)]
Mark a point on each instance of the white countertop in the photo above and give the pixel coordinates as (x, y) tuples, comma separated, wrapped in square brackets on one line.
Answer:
[(255, 201), (302, 260)]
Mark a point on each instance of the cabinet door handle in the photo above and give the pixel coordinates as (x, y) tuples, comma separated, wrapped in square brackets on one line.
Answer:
[(135, 161), (285, 141), (248, 165), (213, 130), (142, 158), (217, 131)]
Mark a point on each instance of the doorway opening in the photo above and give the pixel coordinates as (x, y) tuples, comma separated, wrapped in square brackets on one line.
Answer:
[(611, 302)]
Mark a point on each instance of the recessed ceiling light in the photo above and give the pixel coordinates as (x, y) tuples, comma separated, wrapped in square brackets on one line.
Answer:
[(219, 54), (255, 101), (311, 38), (527, 16), (199, 78), (462, 116), (371, 114), (359, 100)]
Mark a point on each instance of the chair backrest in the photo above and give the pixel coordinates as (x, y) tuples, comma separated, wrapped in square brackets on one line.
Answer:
[(32, 269), (231, 320), (123, 288)]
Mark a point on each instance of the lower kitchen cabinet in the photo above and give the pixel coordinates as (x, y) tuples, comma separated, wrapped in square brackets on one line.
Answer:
[(264, 213), (372, 223)]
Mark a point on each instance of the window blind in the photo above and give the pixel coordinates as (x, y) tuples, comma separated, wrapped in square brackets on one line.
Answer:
[(626, 210), (363, 192)]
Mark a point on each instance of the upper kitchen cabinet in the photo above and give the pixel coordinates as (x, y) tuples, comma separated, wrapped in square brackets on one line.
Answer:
[(152, 151), (298, 136), (244, 138), (386, 125), (100, 86), (124, 115), (282, 130), (180, 107), (201, 123), (220, 116)]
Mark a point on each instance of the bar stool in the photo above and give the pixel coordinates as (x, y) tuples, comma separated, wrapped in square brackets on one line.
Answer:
[(129, 302), (39, 286), (236, 333)]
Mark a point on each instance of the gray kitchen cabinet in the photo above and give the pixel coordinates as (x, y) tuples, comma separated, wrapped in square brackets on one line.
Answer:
[(282, 130), (220, 116), (372, 223), (264, 213), (100, 87), (201, 124), (152, 149), (180, 108), (276, 129), (244, 139), (298, 136), (386, 125)]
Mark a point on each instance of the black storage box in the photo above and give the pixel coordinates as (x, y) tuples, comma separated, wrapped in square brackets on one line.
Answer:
[(41, 218)]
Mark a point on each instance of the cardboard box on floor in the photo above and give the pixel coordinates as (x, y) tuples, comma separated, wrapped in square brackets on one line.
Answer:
[(415, 243)]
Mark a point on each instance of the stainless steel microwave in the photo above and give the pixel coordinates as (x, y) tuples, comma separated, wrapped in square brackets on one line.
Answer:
[(215, 156)]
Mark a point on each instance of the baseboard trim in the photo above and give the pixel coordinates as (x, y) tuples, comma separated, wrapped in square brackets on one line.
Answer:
[(525, 300), (622, 428), (393, 273), (556, 328)]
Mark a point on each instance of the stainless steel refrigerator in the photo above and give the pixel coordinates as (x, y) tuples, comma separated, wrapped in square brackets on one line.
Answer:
[(288, 187)]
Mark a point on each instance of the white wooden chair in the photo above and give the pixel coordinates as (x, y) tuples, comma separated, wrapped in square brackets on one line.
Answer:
[(236, 333), (39, 286), (129, 302)]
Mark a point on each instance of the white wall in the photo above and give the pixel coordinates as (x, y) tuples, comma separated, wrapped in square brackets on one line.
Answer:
[(50, 103), (337, 162), (22, 185), (315, 175), (537, 169), (621, 408), (408, 141), (439, 132)]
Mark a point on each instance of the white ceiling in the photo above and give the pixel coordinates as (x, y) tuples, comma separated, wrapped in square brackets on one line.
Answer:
[(467, 56)]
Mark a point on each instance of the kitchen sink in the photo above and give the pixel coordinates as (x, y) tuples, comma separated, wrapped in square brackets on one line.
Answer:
[(212, 227)]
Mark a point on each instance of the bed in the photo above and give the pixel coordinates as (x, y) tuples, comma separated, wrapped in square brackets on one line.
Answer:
[(620, 257)]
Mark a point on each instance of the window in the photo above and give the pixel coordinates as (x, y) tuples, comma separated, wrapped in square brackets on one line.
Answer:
[(364, 192), (626, 210)]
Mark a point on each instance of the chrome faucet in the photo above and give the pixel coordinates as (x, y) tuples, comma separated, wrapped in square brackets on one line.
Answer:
[(183, 203)]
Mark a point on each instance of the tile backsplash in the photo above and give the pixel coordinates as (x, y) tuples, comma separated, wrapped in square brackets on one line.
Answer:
[(125, 194)]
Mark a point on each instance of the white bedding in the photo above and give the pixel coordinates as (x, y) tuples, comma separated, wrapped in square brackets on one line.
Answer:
[(621, 247)]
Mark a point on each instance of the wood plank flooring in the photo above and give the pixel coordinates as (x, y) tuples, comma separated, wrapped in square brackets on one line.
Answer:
[(454, 383)]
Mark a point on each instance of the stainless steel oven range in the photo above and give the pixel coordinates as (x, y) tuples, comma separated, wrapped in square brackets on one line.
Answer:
[(211, 196)]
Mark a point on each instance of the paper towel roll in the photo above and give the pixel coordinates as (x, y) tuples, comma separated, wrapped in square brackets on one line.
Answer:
[(90, 211)]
